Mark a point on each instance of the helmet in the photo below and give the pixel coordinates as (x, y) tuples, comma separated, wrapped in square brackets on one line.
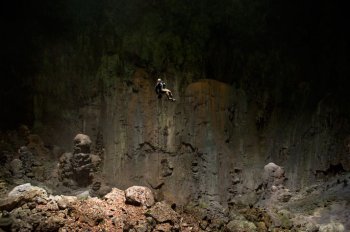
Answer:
[(159, 80)]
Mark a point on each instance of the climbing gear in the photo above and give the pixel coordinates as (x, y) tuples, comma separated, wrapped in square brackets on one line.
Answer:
[(160, 90)]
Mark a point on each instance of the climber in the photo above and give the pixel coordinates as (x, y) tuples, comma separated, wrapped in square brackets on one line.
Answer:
[(160, 89)]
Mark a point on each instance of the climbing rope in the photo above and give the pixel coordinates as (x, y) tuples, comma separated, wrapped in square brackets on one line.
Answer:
[(158, 136)]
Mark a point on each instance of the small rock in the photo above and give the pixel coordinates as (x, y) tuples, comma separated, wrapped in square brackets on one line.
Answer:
[(332, 227), (5, 223), (240, 226), (64, 201), (83, 195), (203, 225), (116, 195), (164, 227), (162, 213)]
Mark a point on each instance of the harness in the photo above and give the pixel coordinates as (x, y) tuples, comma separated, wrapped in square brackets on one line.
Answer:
[(159, 87)]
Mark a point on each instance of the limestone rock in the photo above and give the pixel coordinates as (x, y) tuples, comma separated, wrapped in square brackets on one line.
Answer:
[(139, 195), (273, 175), (20, 195), (116, 195), (79, 168), (16, 168), (27, 190), (163, 213), (240, 226), (332, 227), (100, 189), (82, 143), (9, 203), (64, 201), (83, 195)]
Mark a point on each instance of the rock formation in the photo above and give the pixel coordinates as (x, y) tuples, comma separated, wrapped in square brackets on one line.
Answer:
[(261, 112), (30, 208), (78, 169), (25, 157), (271, 206), (139, 195)]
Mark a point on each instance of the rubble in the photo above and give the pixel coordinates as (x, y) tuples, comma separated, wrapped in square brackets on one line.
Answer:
[(30, 208)]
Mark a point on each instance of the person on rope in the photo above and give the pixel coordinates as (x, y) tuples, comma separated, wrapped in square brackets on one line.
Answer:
[(160, 90)]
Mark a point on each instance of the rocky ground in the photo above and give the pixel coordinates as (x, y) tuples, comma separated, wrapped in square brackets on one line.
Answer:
[(318, 208), (30, 208), (45, 189)]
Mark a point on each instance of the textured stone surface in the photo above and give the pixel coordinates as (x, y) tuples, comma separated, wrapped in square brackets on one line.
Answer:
[(79, 168), (27, 190), (212, 143), (139, 195), (208, 148), (35, 212), (82, 143), (163, 213), (240, 226)]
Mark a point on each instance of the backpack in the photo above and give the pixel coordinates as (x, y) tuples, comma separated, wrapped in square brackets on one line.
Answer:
[(159, 87)]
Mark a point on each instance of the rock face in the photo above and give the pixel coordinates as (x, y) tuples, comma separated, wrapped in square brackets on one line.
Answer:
[(25, 158), (209, 146), (206, 150)]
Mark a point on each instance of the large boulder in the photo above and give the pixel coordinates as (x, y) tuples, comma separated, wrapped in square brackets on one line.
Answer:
[(273, 175), (20, 195), (139, 195), (274, 190), (27, 190), (80, 167)]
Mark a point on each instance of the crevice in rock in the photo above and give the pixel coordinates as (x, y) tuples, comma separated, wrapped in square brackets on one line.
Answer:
[(332, 170)]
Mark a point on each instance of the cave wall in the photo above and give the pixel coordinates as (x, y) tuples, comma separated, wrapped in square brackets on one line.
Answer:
[(255, 82), (212, 143)]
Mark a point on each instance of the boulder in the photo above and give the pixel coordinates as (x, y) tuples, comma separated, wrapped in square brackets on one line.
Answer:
[(115, 196), (82, 143), (163, 213), (27, 190), (139, 195), (16, 168), (9, 203), (273, 175), (20, 195)]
